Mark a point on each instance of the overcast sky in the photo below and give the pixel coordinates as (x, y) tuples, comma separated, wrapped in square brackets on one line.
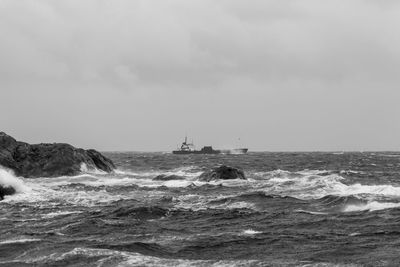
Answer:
[(137, 75)]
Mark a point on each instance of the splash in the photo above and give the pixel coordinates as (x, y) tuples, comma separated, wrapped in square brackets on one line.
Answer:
[(314, 184), (8, 179)]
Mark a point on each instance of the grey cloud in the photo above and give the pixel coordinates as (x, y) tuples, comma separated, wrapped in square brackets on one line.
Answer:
[(276, 67), (207, 42)]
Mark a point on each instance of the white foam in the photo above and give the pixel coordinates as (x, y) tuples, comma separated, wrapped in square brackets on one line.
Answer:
[(84, 167), (311, 212), (136, 259), (141, 260), (50, 194), (8, 179), (390, 155), (251, 232), (385, 190), (187, 171), (355, 234), (22, 240), (122, 259), (238, 205), (126, 172), (313, 172), (177, 183), (310, 184), (371, 206), (350, 172), (192, 201), (307, 184), (59, 213)]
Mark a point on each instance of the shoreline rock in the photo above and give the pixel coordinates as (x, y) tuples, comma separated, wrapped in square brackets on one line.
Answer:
[(222, 173), (6, 190), (48, 160)]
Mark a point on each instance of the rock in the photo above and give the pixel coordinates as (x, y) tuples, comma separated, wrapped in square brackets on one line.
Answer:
[(166, 177), (6, 190), (48, 160), (222, 173)]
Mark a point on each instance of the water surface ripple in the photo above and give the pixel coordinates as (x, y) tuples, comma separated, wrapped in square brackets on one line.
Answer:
[(295, 209)]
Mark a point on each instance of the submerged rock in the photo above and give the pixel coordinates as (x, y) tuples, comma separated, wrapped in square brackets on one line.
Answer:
[(166, 177), (222, 173), (6, 190), (48, 160)]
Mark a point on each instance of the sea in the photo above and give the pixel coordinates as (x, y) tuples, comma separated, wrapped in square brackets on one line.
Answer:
[(294, 209)]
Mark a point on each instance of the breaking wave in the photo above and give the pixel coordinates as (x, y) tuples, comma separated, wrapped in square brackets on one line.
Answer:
[(330, 190), (8, 179), (317, 184), (341, 209), (371, 206)]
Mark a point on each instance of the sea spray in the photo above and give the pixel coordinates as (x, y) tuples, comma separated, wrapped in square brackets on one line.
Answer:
[(8, 179)]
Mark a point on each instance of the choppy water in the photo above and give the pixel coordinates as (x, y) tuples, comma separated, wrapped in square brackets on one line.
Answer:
[(295, 209)]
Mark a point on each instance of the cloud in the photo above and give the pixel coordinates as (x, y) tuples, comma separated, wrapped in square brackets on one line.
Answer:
[(196, 43), (295, 74)]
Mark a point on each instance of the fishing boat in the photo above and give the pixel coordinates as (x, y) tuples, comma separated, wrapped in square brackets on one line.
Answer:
[(189, 148)]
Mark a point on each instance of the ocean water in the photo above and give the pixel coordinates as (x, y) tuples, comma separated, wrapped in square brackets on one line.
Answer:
[(295, 209)]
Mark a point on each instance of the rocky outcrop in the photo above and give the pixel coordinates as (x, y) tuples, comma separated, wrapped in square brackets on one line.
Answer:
[(6, 190), (222, 173), (166, 177), (48, 160)]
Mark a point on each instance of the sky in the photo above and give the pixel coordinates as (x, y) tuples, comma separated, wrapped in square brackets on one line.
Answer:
[(138, 75)]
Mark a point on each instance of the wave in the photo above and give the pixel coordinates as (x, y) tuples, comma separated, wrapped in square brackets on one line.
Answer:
[(112, 257), (257, 196), (259, 191), (18, 241), (90, 189), (311, 212), (260, 201), (8, 179), (351, 203), (185, 176), (187, 171), (335, 201), (140, 213), (84, 169), (371, 206), (251, 232), (256, 201), (316, 184), (59, 213)]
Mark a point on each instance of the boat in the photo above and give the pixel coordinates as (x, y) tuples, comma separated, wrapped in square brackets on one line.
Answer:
[(189, 148)]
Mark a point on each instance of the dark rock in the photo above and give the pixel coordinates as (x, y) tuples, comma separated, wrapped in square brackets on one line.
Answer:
[(165, 177), (222, 173), (48, 160), (6, 190)]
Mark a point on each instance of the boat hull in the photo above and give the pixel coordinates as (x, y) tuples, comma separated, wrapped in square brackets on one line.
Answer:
[(179, 152), (223, 151)]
